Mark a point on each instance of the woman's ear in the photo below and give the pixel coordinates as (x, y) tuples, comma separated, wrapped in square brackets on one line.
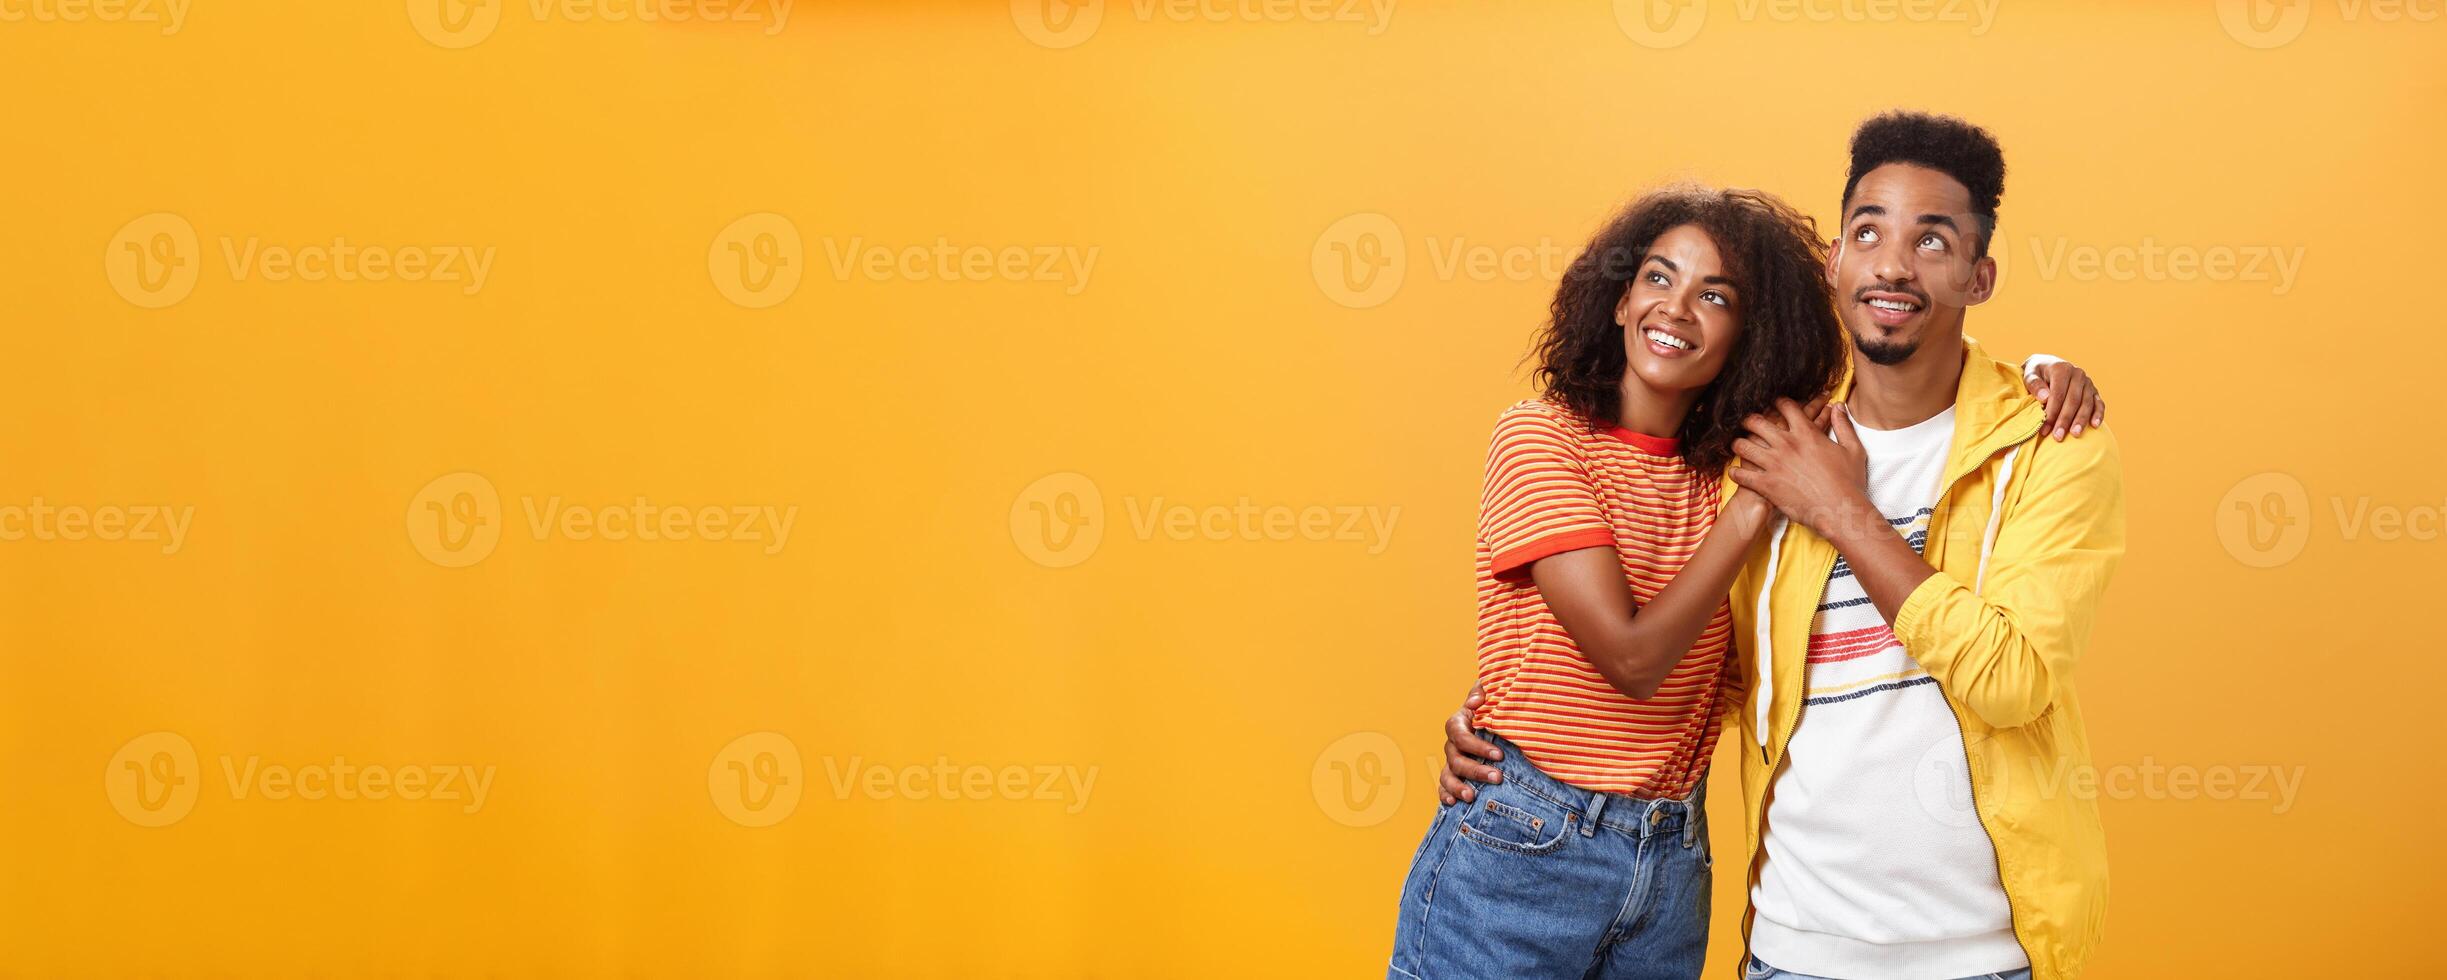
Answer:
[(1622, 307)]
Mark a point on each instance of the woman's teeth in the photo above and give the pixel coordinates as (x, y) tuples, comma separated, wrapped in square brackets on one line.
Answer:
[(1668, 340)]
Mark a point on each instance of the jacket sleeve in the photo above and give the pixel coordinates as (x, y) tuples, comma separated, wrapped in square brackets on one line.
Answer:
[(2007, 651)]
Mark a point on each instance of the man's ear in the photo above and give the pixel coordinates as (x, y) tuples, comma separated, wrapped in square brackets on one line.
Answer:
[(1983, 281), (1835, 257)]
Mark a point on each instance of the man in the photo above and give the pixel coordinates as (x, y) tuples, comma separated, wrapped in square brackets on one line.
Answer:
[(1914, 629)]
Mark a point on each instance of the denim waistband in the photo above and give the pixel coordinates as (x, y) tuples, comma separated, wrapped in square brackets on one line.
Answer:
[(1622, 813)]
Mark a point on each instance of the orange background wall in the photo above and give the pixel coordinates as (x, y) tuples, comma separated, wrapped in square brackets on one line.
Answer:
[(1170, 508)]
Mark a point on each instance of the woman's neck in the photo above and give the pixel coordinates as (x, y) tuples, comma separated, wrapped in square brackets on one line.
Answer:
[(1650, 412)]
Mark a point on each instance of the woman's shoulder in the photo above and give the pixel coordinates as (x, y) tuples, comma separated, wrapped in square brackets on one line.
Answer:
[(1545, 424), (1544, 413)]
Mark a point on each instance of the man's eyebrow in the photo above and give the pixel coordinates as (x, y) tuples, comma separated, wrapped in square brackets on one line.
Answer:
[(1940, 219), (1869, 209)]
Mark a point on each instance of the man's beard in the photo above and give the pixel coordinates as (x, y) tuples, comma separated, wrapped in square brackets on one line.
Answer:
[(1884, 353)]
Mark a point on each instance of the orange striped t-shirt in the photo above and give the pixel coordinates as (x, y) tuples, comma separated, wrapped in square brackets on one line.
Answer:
[(1555, 484)]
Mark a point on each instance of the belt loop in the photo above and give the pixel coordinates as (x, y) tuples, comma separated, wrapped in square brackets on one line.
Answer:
[(1597, 808), (1692, 806)]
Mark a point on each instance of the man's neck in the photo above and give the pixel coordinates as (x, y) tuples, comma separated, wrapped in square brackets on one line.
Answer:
[(1892, 396)]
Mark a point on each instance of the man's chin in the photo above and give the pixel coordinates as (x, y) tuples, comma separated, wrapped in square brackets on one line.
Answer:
[(1886, 353)]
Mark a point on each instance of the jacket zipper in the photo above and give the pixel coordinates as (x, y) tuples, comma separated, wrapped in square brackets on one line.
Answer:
[(1784, 737), (2013, 916)]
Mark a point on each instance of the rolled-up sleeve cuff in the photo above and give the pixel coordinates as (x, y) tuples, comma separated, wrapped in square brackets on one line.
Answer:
[(1511, 562), (1912, 622)]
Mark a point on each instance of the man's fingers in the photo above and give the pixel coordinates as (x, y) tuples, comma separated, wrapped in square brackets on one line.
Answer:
[(1794, 420), (1765, 428), (1750, 450), (1841, 429)]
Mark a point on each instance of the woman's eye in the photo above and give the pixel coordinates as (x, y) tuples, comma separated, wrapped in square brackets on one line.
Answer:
[(1717, 298), (1657, 279)]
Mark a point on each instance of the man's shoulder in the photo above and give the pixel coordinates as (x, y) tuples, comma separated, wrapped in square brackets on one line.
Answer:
[(2095, 455)]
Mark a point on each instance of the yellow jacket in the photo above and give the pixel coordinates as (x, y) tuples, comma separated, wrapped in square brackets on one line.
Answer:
[(2025, 535)]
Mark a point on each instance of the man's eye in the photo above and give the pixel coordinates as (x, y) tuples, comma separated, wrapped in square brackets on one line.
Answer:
[(1933, 242), (1865, 235)]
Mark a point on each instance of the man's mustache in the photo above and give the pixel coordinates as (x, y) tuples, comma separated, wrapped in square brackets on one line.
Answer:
[(1862, 295)]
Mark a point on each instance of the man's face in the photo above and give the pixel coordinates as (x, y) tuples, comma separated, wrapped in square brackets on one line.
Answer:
[(1905, 267)]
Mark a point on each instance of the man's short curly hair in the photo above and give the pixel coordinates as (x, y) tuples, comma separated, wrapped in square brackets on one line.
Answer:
[(1945, 144)]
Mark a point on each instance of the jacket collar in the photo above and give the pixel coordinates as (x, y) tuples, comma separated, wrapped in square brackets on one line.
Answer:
[(1991, 410)]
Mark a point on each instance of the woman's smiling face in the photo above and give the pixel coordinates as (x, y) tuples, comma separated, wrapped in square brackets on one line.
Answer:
[(1680, 313)]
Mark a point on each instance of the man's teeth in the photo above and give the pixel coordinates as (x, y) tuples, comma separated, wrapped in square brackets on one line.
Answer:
[(1668, 340), (1896, 305)]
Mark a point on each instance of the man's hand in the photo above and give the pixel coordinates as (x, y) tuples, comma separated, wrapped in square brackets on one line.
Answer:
[(1822, 483), (1464, 752), (2067, 399)]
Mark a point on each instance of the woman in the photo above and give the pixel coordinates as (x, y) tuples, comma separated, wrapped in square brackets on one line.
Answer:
[(1603, 564)]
